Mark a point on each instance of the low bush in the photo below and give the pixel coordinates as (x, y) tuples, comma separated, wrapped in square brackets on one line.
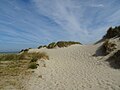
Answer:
[(112, 32), (61, 44), (66, 43), (42, 46), (51, 45), (24, 50), (32, 65)]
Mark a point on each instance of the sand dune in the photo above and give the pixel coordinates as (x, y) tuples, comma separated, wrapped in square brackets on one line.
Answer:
[(73, 68)]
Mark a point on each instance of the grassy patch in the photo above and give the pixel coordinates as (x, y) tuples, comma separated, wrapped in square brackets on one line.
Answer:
[(15, 67), (23, 56), (34, 59)]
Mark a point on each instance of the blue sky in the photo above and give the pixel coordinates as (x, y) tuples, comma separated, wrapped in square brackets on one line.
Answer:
[(30, 23)]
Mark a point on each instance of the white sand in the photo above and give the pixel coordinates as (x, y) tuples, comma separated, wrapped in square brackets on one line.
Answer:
[(73, 68)]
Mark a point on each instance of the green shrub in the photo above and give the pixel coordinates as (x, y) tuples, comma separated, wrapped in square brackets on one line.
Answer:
[(40, 47), (51, 45), (45, 46), (61, 44), (112, 32), (25, 50), (66, 43), (32, 65)]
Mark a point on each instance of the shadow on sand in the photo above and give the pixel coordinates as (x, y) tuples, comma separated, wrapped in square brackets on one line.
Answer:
[(99, 52), (114, 60)]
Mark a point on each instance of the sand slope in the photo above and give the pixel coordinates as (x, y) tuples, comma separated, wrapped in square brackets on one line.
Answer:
[(73, 68)]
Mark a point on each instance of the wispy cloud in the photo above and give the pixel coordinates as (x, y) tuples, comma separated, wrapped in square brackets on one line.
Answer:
[(34, 22), (98, 5), (76, 16)]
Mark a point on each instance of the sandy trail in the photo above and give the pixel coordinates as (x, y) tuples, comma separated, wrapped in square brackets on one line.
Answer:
[(73, 68)]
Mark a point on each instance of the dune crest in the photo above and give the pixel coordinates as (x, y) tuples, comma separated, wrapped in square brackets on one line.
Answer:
[(73, 68)]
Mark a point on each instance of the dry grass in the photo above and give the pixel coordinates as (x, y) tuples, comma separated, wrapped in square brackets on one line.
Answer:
[(8, 57), (14, 68), (38, 55), (23, 56), (12, 72)]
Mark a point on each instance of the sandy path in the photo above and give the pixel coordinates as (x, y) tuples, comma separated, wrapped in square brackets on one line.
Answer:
[(74, 68)]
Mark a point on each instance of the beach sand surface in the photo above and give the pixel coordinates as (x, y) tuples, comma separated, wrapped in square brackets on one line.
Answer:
[(73, 68)]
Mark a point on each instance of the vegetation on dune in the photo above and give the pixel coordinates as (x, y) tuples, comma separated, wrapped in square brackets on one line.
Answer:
[(51, 45), (11, 73), (13, 66), (31, 57), (112, 32), (8, 57), (108, 47), (23, 56), (65, 43), (34, 59), (25, 50), (42, 46), (59, 44), (33, 65)]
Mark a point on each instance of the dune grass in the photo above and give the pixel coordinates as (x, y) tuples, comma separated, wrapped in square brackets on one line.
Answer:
[(11, 72), (23, 56), (112, 32), (61, 44), (15, 62), (30, 57), (13, 66), (108, 46), (51, 45)]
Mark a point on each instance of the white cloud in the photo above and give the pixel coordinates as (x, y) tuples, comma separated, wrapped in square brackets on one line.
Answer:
[(63, 13), (82, 20), (97, 5)]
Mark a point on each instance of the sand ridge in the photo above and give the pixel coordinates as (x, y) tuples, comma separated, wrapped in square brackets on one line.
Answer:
[(73, 68)]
